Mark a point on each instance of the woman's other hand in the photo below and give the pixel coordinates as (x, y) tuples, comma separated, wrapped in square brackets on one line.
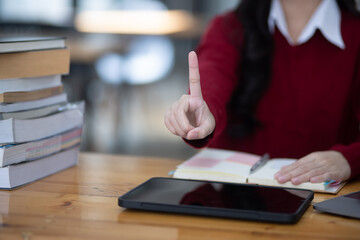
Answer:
[(316, 167), (189, 117)]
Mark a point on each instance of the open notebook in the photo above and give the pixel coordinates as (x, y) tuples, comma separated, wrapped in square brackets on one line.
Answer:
[(233, 166)]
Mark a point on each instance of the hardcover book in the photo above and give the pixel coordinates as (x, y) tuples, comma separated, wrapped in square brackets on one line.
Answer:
[(11, 97), (29, 84), (30, 43), (23, 106), (25, 130), (34, 63)]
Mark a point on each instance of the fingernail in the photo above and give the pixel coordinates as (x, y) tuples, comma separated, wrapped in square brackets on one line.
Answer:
[(295, 181), (193, 135), (281, 179)]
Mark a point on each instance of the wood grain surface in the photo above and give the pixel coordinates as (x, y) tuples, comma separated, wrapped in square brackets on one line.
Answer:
[(81, 203)]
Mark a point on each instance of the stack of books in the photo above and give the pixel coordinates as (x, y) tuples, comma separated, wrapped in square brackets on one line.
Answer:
[(40, 131)]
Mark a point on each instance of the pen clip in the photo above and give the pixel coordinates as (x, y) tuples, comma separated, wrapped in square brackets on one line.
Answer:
[(261, 162)]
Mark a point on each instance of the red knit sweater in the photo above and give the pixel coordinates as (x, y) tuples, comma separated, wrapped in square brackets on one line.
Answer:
[(312, 104)]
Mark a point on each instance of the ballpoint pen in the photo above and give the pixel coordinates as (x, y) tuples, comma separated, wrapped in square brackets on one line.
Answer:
[(260, 163)]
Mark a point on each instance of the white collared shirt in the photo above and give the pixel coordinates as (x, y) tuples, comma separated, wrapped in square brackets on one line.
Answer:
[(326, 18)]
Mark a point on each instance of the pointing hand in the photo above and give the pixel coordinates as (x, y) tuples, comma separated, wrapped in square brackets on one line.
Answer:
[(189, 117)]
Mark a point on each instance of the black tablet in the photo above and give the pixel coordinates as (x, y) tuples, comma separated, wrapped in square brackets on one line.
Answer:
[(219, 199)]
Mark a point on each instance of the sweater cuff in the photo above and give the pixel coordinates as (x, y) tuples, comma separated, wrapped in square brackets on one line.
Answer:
[(352, 155), (200, 143)]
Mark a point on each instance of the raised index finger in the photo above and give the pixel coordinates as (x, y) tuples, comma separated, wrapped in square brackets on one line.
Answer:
[(194, 75)]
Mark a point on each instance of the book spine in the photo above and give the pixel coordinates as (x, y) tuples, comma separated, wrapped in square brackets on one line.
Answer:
[(34, 63), (8, 47), (22, 106), (31, 113), (12, 97), (29, 84)]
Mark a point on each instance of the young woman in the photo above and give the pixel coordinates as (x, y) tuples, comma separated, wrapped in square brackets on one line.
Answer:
[(281, 77)]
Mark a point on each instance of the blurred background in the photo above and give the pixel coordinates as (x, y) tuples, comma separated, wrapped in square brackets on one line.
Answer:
[(128, 62)]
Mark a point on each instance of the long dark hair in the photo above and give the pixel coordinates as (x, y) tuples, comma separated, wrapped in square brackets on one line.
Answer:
[(255, 66), (256, 63)]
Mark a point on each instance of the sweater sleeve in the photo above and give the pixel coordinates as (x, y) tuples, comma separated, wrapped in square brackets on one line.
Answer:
[(218, 54), (352, 151)]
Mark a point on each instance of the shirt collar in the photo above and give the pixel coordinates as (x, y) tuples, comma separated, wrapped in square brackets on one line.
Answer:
[(326, 18)]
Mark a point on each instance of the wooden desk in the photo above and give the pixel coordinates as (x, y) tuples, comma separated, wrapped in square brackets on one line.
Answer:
[(81, 203)]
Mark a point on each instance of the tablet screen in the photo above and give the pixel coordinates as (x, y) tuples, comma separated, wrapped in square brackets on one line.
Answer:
[(172, 191)]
